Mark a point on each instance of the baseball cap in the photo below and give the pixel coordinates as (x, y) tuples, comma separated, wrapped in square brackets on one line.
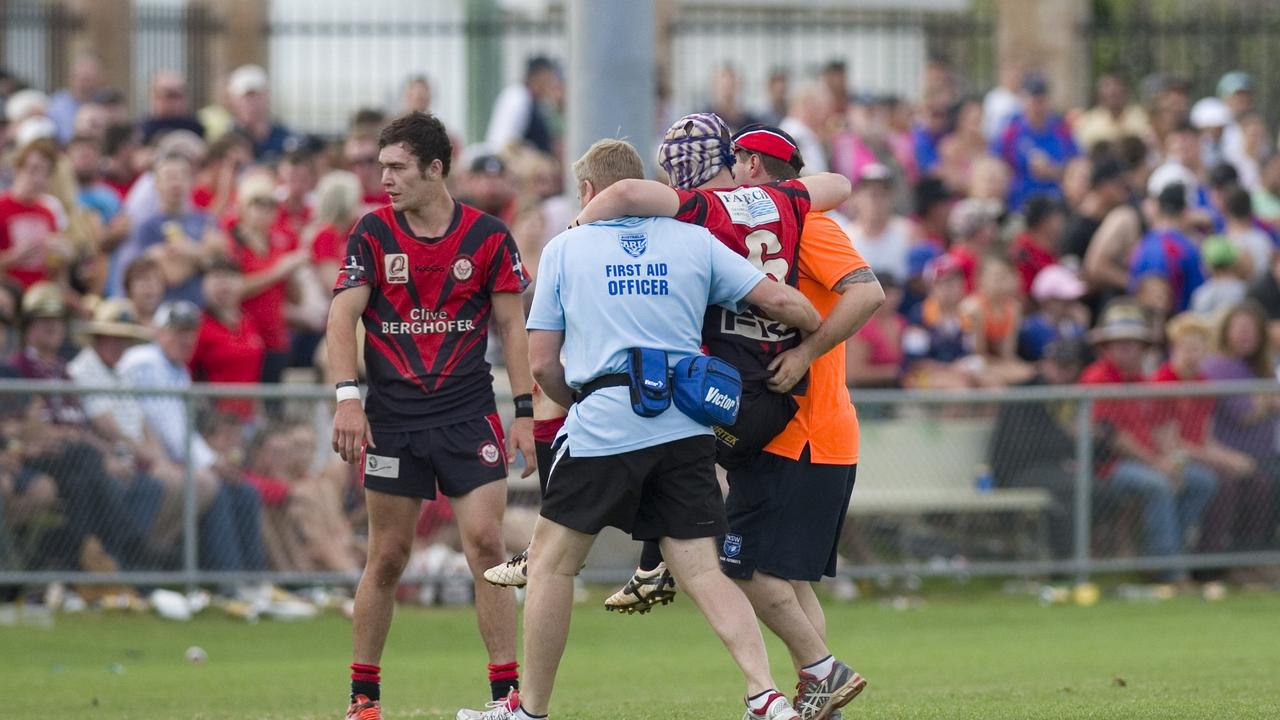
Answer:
[(1234, 82), (1210, 112), (1168, 175), (1057, 282), (694, 149), (772, 141), (246, 79), (941, 268), (177, 315), (970, 215), (1035, 84), (1218, 252), (488, 164)]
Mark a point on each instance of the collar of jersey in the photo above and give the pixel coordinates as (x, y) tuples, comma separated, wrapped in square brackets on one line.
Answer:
[(623, 221), (453, 224)]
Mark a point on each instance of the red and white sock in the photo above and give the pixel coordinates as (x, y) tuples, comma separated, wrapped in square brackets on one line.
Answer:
[(759, 704)]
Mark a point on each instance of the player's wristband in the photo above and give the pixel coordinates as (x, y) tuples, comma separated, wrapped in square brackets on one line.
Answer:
[(524, 405), (347, 392), (347, 383)]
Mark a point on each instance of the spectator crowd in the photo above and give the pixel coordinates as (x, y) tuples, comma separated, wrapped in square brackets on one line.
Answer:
[(1131, 241)]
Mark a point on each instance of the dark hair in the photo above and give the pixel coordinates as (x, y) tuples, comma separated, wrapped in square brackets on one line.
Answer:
[(1132, 151), (537, 64), (368, 116), (116, 137), (930, 192), (138, 267), (1040, 208), (1223, 176), (1183, 125), (423, 135), (1172, 199), (223, 146), (1237, 203), (1259, 361), (222, 264)]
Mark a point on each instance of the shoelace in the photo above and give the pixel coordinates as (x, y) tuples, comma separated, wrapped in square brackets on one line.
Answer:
[(807, 700), (496, 710), (518, 558)]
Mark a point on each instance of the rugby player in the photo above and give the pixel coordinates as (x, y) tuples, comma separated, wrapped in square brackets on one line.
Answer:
[(605, 289), (424, 275)]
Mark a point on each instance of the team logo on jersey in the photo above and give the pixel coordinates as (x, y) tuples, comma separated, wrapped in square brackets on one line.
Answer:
[(398, 268), (490, 454), (379, 466), (634, 243), (463, 268), (732, 545)]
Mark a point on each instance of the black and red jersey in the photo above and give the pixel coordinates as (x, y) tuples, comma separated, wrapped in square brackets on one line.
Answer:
[(427, 322), (762, 224)]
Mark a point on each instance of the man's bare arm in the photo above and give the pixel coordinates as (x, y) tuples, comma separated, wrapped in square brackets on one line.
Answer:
[(508, 315), (544, 357), (827, 191), (785, 304), (631, 197)]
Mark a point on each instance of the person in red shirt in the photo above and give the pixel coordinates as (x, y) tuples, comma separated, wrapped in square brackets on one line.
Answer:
[(1183, 427), (1037, 247), (973, 231), (297, 180), (30, 248), (215, 184), (229, 348), (1173, 491), (269, 260)]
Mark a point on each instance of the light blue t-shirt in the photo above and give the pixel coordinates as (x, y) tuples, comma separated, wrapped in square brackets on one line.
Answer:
[(633, 282)]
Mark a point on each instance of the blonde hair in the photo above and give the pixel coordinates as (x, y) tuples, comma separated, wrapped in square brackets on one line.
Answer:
[(608, 161), (337, 197), (1188, 323), (255, 185)]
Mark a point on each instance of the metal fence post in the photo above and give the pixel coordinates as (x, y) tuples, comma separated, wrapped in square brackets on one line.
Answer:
[(190, 530), (1084, 487)]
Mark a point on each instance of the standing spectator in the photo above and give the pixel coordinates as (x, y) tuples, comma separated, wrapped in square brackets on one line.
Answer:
[(230, 538), (882, 238), (973, 232), (1174, 491), (229, 348), (1036, 144), (726, 101), (1210, 116), (169, 107), (1225, 287), (1060, 316), (1036, 247), (178, 238), (251, 106), (519, 113), (1252, 243), (927, 132), (1236, 91), (1113, 118), (1170, 104), (1107, 191), (960, 150), (1166, 251), (835, 78), (360, 155), (867, 142), (1248, 424), (416, 95), (269, 260), (807, 121), (86, 82), (31, 248), (1002, 103), (777, 90), (873, 356)]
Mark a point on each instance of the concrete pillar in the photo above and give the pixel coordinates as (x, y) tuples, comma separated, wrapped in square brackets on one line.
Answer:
[(1045, 35), (244, 38), (484, 65), (106, 30), (611, 75)]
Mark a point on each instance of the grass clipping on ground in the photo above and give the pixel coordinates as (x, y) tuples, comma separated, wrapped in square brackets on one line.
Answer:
[(986, 657)]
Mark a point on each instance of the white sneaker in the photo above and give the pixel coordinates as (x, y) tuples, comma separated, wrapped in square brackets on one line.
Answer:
[(644, 590), (778, 708), (512, 573), (497, 710)]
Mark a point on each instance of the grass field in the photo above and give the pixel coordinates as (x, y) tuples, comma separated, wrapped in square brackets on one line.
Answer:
[(979, 656)]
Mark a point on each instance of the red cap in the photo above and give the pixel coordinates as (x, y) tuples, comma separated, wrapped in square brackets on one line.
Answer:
[(766, 140)]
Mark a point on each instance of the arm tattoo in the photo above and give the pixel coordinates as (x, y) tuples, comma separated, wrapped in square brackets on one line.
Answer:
[(861, 275)]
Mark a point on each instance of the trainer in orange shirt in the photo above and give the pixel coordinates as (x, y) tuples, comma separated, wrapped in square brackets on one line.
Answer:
[(787, 507)]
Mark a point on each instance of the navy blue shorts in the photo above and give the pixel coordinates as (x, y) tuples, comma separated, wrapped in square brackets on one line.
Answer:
[(785, 518), (457, 458)]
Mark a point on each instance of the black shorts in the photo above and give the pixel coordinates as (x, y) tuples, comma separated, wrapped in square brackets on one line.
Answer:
[(785, 518), (762, 416), (545, 454), (458, 458), (667, 490)]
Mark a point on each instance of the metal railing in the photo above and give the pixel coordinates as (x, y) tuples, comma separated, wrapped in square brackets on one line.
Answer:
[(924, 503)]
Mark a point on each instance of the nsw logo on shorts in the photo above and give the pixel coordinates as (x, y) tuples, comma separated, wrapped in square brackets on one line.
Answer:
[(490, 454), (381, 466), (732, 545), (634, 243)]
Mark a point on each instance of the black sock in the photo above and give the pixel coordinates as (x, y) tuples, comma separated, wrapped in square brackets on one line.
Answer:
[(650, 555), (366, 680), (503, 679)]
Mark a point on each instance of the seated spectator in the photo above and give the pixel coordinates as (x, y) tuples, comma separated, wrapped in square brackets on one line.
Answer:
[(31, 248), (119, 148), (991, 318), (85, 156), (179, 239), (1252, 243), (230, 538), (26, 494), (99, 488), (882, 238), (1166, 251), (1033, 444), (1174, 495), (873, 356), (1036, 248), (936, 346), (144, 287), (1225, 288), (143, 200), (229, 347), (973, 233), (1036, 145), (269, 260), (297, 176), (1248, 424), (1182, 430), (1060, 315), (10, 301)]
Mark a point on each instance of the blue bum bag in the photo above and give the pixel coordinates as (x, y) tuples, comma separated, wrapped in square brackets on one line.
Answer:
[(708, 390), (649, 381)]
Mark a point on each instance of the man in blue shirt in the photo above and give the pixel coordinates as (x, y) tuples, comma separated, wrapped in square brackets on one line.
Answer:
[(604, 288), (1166, 252), (1036, 144)]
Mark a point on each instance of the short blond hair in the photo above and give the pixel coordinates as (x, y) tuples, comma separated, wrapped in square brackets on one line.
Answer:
[(608, 161), (1187, 324)]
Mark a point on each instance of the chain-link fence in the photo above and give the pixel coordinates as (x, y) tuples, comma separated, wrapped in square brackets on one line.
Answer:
[(219, 485)]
